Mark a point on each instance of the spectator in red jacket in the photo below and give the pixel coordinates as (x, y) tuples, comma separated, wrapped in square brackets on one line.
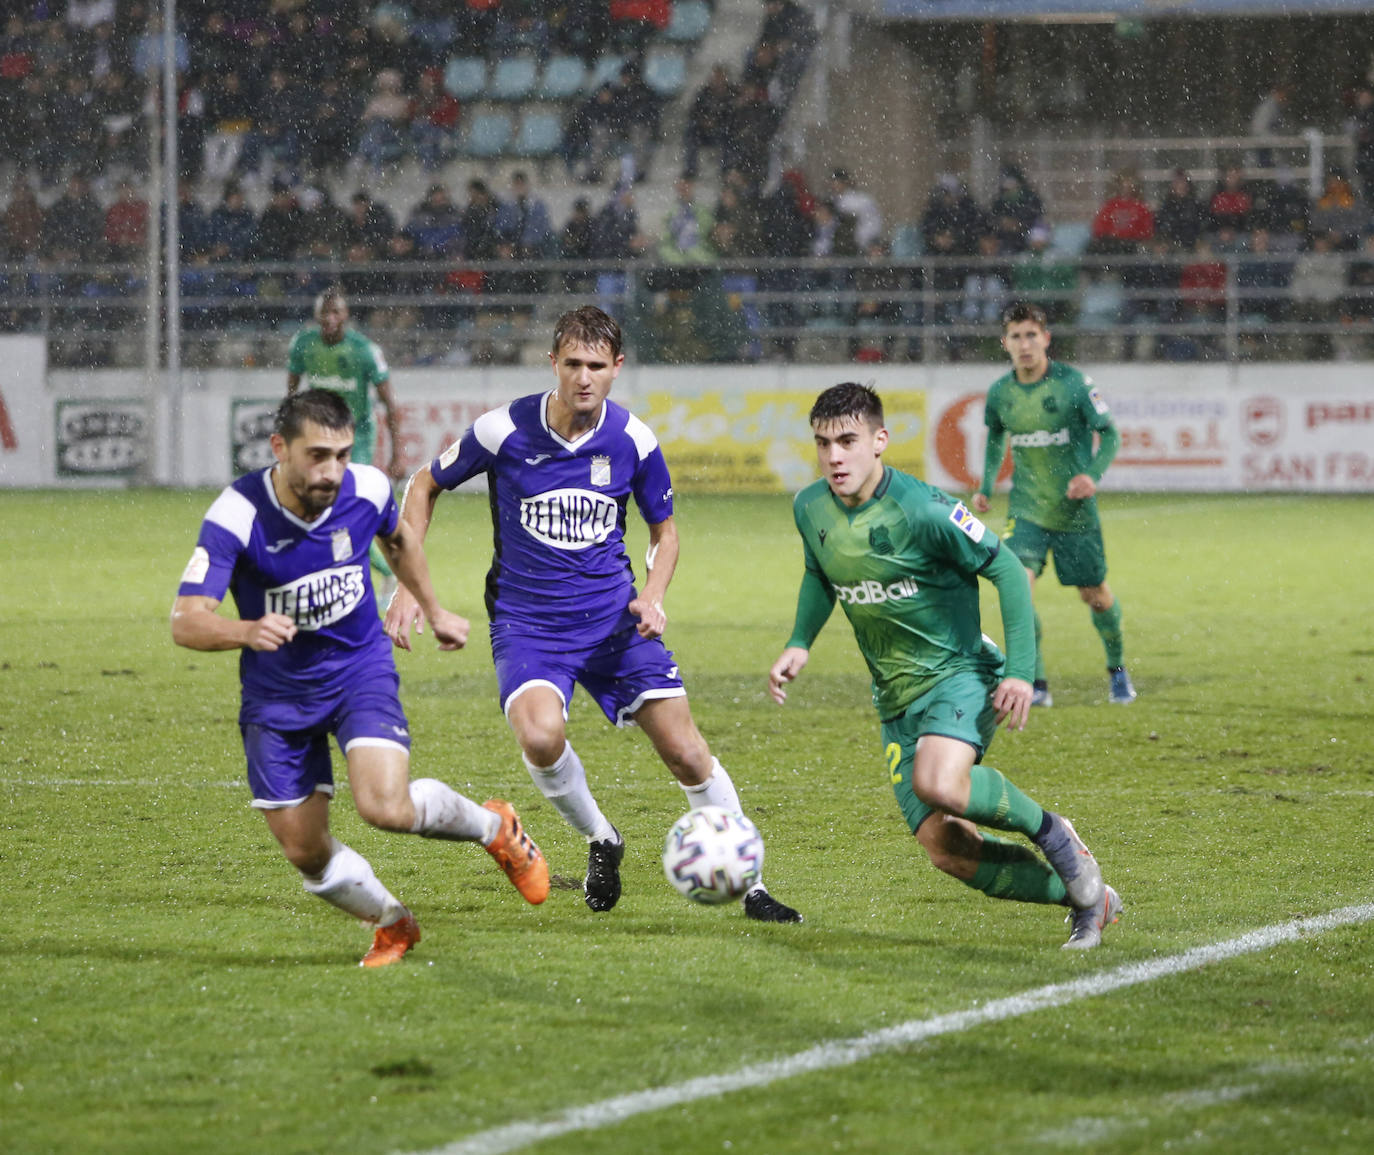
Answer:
[(1124, 222)]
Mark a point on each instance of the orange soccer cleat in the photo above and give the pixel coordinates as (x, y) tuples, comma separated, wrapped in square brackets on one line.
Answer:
[(391, 942), (519, 857)]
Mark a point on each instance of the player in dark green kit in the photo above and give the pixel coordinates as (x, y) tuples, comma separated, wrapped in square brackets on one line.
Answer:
[(332, 356), (903, 560), (1052, 413)]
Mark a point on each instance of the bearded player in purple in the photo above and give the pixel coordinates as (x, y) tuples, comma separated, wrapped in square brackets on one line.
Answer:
[(291, 543), (562, 467)]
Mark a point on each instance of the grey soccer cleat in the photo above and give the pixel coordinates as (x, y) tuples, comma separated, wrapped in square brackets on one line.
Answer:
[(1040, 694), (1121, 692), (1072, 861), (1088, 923)]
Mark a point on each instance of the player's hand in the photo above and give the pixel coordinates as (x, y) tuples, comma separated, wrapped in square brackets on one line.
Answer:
[(1080, 486), (270, 632), (403, 614), (652, 620), (785, 670), (1012, 700), (451, 630), (980, 503)]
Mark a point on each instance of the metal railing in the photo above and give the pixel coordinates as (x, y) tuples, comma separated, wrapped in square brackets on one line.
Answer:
[(1227, 307)]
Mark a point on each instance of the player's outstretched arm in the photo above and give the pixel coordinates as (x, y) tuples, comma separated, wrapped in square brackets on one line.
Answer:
[(789, 664), (197, 626)]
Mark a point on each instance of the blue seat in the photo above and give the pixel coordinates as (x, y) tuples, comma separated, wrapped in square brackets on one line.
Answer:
[(563, 78), (513, 78), (689, 22), (1071, 238), (465, 77), (907, 243), (485, 134), (665, 71), (605, 69), (539, 134)]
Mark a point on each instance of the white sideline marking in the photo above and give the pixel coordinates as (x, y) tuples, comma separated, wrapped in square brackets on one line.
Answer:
[(846, 1052)]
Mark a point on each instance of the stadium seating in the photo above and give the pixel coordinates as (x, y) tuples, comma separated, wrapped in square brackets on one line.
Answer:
[(689, 22), (907, 243), (539, 134), (465, 77), (665, 71), (1071, 238), (564, 78), (606, 69), (513, 78), (486, 134)]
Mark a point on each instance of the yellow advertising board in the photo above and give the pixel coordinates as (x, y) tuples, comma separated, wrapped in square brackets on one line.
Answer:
[(760, 442)]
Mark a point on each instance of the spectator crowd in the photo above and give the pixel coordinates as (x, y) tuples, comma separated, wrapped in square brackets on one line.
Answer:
[(279, 98)]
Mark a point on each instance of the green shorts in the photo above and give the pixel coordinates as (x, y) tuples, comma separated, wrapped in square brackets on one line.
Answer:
[(1079, 559), (959, 707)]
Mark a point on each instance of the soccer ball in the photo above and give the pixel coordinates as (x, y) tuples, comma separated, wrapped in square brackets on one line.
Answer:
[(713, 855)]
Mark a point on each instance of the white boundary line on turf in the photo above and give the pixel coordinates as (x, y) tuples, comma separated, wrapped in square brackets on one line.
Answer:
[(138, 783), (846, 1052)]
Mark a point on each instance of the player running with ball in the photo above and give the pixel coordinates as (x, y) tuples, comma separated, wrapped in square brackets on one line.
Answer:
[(291, 544), (903, 559)]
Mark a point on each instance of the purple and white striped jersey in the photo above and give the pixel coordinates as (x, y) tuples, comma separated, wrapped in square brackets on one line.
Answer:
[(316, 573), (558, 513)]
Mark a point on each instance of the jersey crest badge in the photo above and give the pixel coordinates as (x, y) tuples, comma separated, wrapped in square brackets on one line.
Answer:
[(601, 470), (879, 540), (342, 544), (966, 523)]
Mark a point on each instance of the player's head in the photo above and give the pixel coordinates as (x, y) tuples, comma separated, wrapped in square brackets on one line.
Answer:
[(322, 407), (331, 311), (848, 399), (587, 326), (1022, 312), (1026, 338), (312, 440), (586, 359), (847, 422)]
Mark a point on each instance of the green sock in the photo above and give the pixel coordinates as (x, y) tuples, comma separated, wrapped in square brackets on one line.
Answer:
[(1013, 871), (378, 559), (1039, 651), (994, 801), (1108, 625)]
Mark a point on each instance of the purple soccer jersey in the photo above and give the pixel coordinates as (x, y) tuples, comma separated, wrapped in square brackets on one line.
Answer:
[(558, 511), (316, 573)]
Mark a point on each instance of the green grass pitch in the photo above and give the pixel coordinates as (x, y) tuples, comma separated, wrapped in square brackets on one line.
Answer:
[(167, 986)]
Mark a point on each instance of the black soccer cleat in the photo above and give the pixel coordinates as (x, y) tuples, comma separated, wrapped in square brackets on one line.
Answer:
[(763, 907), (602, 885)]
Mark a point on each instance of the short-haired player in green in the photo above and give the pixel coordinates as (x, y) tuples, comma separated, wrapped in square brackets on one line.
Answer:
[(1052, 413), (330, 355), (903, 559)]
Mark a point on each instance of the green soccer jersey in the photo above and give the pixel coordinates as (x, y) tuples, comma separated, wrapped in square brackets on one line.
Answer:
[(352, 366), (1051, 424), (905, 566)]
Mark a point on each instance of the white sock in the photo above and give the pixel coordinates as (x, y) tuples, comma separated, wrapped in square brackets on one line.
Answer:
[(349, 884), (441, 812), (717, 790), (565, 785)]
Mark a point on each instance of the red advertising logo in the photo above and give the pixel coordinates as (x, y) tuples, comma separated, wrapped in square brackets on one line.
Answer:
[(1262, 420), (953, 441)]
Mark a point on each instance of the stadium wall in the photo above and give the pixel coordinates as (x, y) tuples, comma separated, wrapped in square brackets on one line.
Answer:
[(738, 429)]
